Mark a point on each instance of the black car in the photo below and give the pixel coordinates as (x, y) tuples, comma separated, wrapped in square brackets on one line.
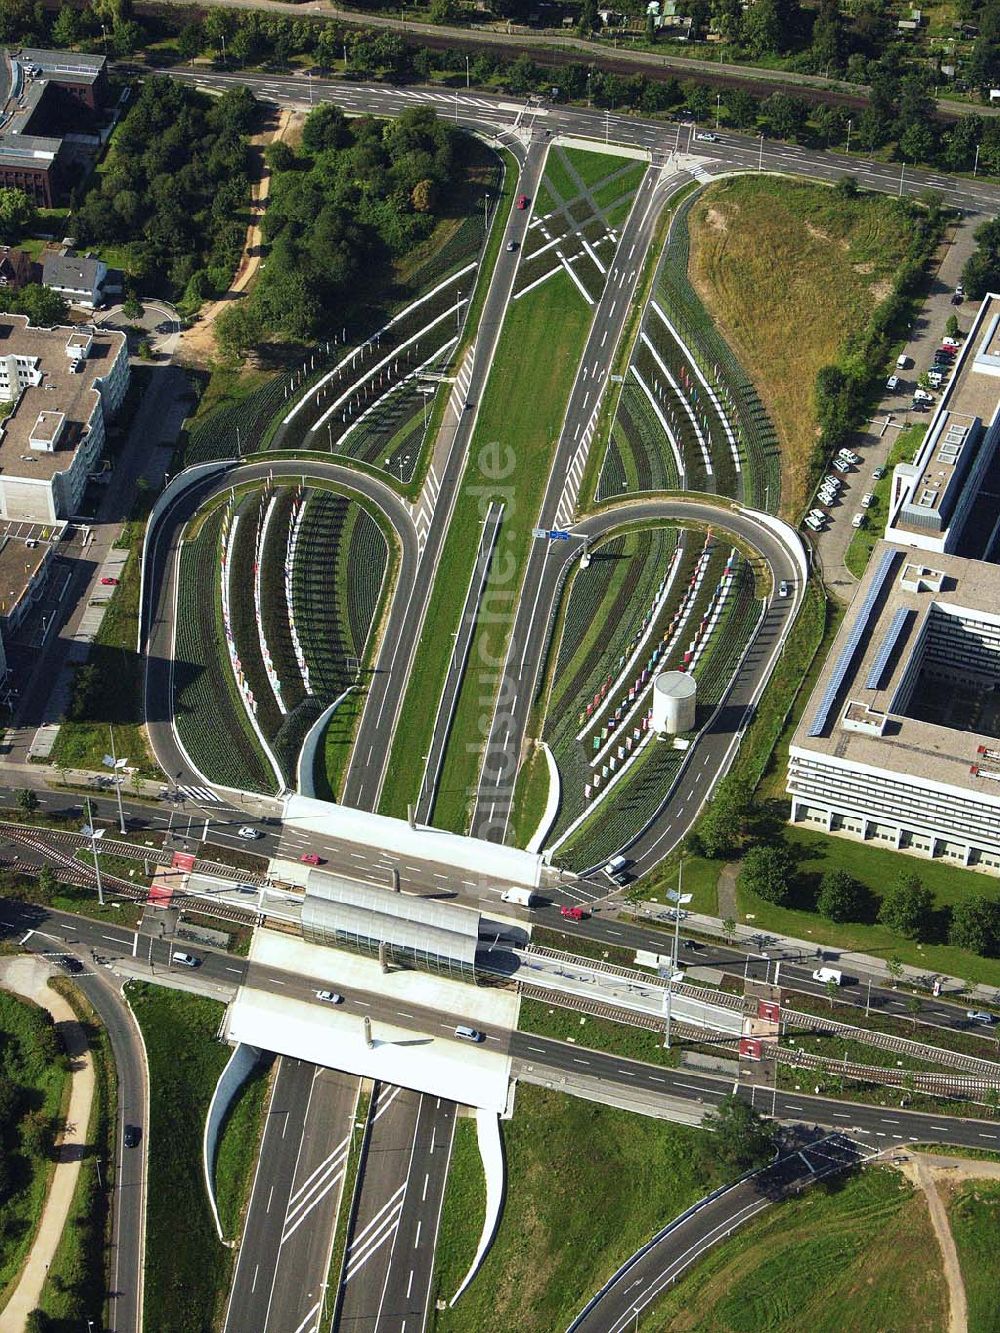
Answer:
[(132, 1136)]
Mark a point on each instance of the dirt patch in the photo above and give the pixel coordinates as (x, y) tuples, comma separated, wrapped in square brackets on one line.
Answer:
[(716, 219)]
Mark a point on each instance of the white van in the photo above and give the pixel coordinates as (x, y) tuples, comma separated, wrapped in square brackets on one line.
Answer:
[(828, 974), (902, 361), (467, 1033), (184, 959), (616, 864)]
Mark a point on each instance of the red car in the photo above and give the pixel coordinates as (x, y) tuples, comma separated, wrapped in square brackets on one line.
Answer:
[(522, 201), (109, 582), (573, 913), (311, 859)]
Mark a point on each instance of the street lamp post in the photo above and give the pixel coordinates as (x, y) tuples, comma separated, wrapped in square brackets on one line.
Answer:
[(760, 159), (850, 125), (467, 82), (679, 899), (902, 168), (718, 108), (975, 165), (118, 790), (93, 852)]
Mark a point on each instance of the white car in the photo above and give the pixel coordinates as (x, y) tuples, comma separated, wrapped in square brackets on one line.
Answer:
[(329, 997), (842, 465), (817, 514), (878, 474), (934, 379), (867, 500), (707, 138), (782, 589), (249, 833), (834, 482), (859, 520), (950, 342), (812, 523), (922, 396), (849, 456), (892, 383)]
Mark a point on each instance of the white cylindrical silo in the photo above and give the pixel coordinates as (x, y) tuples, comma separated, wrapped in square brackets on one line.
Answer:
[(675, 695)]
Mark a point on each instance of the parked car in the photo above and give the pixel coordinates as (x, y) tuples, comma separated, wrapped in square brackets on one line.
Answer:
[(842, 465), (109, 582), (311, 859), (835, 482), (922, 396), (866, 500), (329, 997), (902, 361), (817, 514), (892, 383), (849, 455), (573, 913), (953, 343), (522, 201), (249, 833), (859, 520), (878, 474), (812, 523), (935, 379)]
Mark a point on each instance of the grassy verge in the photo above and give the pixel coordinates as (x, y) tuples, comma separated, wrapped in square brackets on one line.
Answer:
[(863, 540), (700, 878), (239, 1143), (70, 898), (974, 1214), (187, 1268), (75, 1284), (462, 1214), (35, 1080), (766, 254), (877, 869), (531, 795), (861, 1243), (539, 349), (346, 1202), (595, 1034), (588, 1184)]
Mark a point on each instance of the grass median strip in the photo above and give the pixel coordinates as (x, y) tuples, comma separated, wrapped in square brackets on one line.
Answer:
[(462, 1214), (519, 422)]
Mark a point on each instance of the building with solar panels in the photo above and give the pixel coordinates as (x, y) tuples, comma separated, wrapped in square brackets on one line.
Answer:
[(900, 743), (401, 930)]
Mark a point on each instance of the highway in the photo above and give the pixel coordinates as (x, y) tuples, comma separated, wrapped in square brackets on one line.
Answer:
[(293, 1206)]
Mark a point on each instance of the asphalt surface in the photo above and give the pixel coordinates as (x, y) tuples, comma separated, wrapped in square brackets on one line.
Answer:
[(390, 1252), (128, 1204), (293, 1210), (621, 1303)]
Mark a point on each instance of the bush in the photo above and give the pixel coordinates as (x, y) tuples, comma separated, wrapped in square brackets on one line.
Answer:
[(906, 907), (767, 872), (841, 897), (975, 925)]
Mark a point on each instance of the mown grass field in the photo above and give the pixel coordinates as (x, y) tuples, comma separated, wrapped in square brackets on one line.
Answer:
[(523, 407), (187, 1267), (858, 1253), (587, 1184), (530, 797), (766, 255), (877, 869), (974, 1214)]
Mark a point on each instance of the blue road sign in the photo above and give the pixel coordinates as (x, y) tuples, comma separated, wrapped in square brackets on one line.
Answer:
[(558, 535)]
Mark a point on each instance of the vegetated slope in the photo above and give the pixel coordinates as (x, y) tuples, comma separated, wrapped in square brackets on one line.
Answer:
[(974, 1214), (587, 1184), (856, 1253), (789, 270)]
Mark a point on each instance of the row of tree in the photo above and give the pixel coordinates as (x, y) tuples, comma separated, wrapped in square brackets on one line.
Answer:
[(356, 198), (174, 191)]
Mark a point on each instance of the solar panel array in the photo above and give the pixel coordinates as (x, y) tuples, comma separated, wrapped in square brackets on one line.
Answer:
[(887, 647), (858, 630)]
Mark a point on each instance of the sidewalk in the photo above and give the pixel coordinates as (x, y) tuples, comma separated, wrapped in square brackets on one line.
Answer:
[(27, 975), (862, 962)]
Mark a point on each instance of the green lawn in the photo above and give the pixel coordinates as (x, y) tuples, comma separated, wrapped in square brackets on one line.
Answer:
[(974, 1214), (33, 1068), (592, 166), (238, 1146), (587, 1184), (75, 1284), (596, 1034), (530, 797), (876, 868), (700, 878), (462, 1213), (187, 1268), (522, 408), (858, 1253)]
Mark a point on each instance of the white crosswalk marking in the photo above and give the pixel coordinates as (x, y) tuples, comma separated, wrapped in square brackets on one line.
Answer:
[(200, 794)]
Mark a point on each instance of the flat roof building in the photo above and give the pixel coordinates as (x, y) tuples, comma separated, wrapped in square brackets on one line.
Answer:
[(65, 383), (900, 740)]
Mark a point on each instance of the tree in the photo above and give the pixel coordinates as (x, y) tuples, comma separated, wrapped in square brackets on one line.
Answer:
[(913, 1006), (590, 20), (190, 41), (27, 801), (278, 156), (66, 27), (132, 307), (126, 37), (47, 881), (767, 872), (917, 142), (846, 187), (894, 967), (975, 925), (17, 214), (785, 115), (729, 928), (43, 306), (832, 987), (423, 196), (238, 328), (982, 269), (841, 897), (827, 37), (743, 1138), (325, 128), (762, 28), (906, 907), (722, 825), (698, 101), (951, 326), (743, 108)]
